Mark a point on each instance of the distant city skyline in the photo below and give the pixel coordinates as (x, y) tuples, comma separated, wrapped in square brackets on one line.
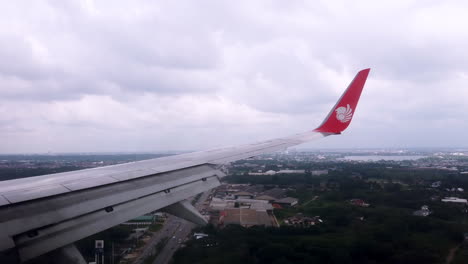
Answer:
[(110, 76), (389, 151)]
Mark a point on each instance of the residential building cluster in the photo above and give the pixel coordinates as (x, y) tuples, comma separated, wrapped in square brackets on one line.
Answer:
[(424, 211), (247, 205), (300, 220)]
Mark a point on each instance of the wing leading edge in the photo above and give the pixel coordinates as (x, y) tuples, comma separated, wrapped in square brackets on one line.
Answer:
[(65, 207)]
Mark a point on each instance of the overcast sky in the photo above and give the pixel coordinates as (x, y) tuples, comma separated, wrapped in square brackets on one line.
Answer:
[(103, 76)]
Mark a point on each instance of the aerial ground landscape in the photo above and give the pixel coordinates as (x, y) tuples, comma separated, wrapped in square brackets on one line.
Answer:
[(214, 131), (336, 206)]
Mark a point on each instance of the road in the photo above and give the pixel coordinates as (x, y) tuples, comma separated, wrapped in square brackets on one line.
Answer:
[(451, 254), (180, 235), (170, 227), (174, 242)]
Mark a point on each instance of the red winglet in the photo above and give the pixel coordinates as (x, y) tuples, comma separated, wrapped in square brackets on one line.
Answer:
[(342, 113)]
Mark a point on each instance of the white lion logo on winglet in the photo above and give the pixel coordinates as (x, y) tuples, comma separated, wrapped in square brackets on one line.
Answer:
[(344, 114)]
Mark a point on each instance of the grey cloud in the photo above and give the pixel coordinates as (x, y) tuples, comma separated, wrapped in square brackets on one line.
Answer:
[(143, 70), (18, 59)]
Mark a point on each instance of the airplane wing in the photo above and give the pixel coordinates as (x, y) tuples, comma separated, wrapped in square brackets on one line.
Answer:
[(45, 213)]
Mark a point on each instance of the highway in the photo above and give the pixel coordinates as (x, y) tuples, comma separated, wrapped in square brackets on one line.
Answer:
[(183, 230), (170, 227)]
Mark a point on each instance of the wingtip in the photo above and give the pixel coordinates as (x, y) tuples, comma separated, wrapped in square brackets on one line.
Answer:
[(337, 122)]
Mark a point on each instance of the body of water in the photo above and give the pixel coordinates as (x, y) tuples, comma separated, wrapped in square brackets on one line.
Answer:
[(377, 158)]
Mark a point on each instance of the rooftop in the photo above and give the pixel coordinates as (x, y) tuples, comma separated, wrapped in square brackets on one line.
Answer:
[(454, 200), (265, 197), (246, 217), (287, 200), (243, 193)]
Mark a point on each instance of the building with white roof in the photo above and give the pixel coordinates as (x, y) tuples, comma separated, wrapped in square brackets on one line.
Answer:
[(454, 200)]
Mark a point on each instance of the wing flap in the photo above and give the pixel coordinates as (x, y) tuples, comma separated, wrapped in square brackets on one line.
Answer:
[(3, 201), (32, 193), (89, 183)]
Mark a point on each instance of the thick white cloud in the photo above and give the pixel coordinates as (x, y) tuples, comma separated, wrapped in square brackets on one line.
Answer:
[(151, 76)]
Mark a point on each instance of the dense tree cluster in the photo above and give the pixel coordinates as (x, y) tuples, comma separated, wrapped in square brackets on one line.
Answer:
[(343, 240), (385, 232)]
